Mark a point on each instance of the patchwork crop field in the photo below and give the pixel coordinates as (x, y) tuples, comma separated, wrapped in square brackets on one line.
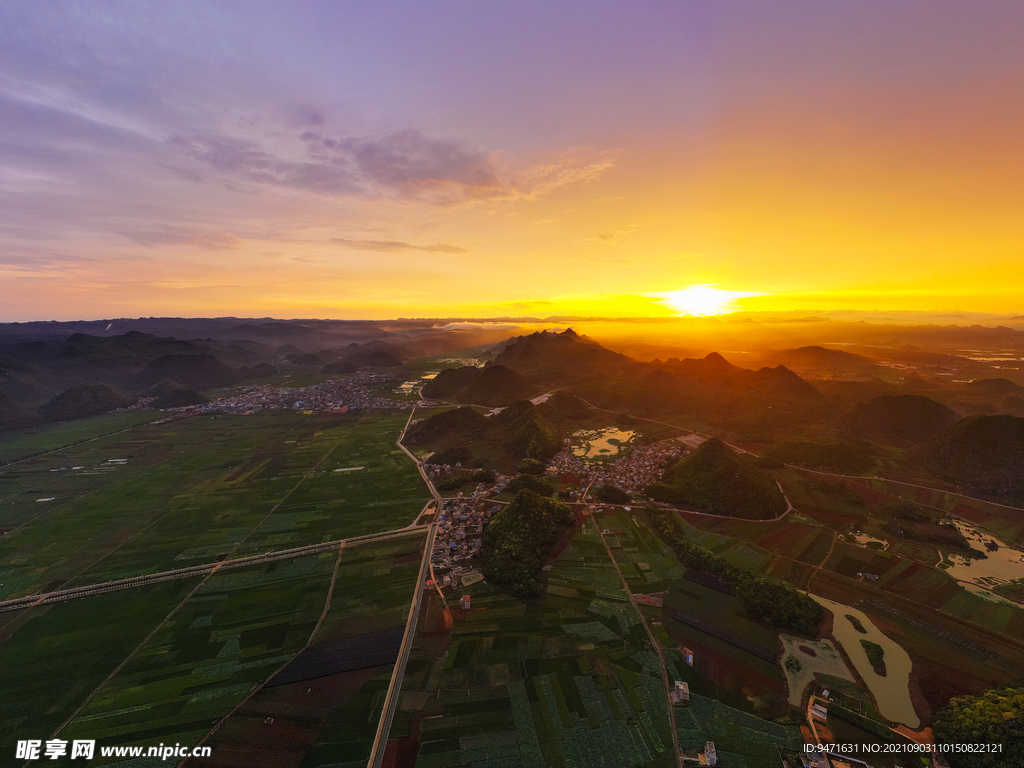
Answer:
[(233, 633), (166, 662), (195, 490), (332, 718), (54, 656), (569, 682)]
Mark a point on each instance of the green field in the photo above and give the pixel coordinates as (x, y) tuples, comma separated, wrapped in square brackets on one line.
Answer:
[(741, 739), (237, 630), (198, 489), (333, 719), (20, 444), (52, 657), (186, 491), (571, 681)]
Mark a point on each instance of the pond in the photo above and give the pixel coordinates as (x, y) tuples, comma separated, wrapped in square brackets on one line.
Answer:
[(1005, 564), (892, 692), (867, 540), (600, 443)]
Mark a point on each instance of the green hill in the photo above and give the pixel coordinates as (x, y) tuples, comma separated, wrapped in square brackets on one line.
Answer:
[(462, 423), (982, 454), (517, 432), (528, 434), (164, 386), (520, 538), (824, 359), (193, 371), (563, 406), (179, 397), (498, 385), (449, 382), (840, 457), (85, 400), (339, 366), (549, 358), (899, 419), (993, 387), (716, 479), (13, 415)]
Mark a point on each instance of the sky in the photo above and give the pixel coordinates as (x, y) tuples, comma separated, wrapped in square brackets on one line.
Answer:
[(465, 159)]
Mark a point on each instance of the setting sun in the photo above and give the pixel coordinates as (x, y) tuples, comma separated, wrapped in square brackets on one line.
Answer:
[(703, 300)]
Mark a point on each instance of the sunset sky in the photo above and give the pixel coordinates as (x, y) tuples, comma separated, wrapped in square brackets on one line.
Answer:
[(479, 159)]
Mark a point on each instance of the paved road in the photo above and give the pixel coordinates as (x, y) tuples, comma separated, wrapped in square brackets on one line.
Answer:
[(61, 595), (395, 687), (654, 645)]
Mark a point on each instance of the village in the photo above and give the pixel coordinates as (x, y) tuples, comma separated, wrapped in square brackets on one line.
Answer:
[(643, 465), (333, 396), (460, 527)]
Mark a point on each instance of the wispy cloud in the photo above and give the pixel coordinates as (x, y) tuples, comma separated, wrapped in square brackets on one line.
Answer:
[(394, 246), (574, 167), (203, 240), (610, 238), (405, 164)]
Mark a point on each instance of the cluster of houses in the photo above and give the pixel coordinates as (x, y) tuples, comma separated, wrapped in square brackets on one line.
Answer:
[(460, 527), (643, 465), (334, 396)]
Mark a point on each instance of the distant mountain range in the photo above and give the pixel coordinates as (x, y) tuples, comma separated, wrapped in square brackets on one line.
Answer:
[(40, 361)]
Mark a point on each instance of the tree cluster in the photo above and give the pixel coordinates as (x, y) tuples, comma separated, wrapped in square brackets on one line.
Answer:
[(903, 510), (531, 467), (764, 598), (611, 494), (520, 538), (451, 482), (532, 483), (876, 655), (993, 717)]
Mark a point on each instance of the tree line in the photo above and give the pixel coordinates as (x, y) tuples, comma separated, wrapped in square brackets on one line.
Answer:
[(764, 598)]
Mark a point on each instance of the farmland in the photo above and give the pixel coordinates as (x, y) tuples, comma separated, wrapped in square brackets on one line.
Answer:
[(15, 446), (569, 681), (289, 660), (232, 633), (166, 662), (331, 717), (55, 655), (197, 490), (221, 639)]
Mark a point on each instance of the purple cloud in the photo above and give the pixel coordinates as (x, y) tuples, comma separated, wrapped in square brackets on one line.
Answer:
[(395, 246), (404, 164)]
